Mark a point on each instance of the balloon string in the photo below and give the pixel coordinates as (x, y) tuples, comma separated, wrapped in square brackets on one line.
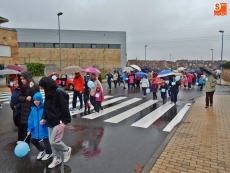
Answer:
[(26, 138)]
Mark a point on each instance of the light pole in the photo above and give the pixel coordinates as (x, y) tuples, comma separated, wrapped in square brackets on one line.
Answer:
[(59, 14), (221, 65), (212, 55), (145, 53)]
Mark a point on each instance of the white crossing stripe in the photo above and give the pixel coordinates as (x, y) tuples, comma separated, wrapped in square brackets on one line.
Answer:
[(120, 117), (103, 104), (78, 102), (153, 116), (113, 108), (177, 118)]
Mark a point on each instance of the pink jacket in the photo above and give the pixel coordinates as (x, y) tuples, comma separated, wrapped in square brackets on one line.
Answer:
[(99, 96), (189, 76), (184, 80), (131, 79)]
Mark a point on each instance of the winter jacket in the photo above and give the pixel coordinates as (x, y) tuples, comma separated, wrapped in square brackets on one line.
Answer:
[(131, 79), (163, 90), (200, 81), (78, 83), (58, 108), (14, 102), (210, 83), (184, 80), (154, 87), (38, 131), (26, 90), (124, 77), (99, 96), (175, 87), (115, 76), (109, 77), (189, 77), (144, 83), (96, 84)]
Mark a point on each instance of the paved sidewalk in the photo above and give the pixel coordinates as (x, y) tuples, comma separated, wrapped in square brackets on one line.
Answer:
[(223, 82), (202, 143)]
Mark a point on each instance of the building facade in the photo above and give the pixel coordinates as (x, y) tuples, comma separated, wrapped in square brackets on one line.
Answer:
[(103, 49)]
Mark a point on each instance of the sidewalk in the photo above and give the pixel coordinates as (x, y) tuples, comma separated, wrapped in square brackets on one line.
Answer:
[(201, 143), (223, 82)]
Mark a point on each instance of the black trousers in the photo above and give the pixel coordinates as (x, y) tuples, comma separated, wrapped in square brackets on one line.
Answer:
[(92, 100), (40, 147), (209, 98), (17, 120), (144, 90), (154, 95), (22, 133), (75, 95), (97, 106), (115, 83)]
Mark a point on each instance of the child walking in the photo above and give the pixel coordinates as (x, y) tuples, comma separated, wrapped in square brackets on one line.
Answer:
[(39, 132), (56, 115), (99, 98), (144, 85), (163, 90)]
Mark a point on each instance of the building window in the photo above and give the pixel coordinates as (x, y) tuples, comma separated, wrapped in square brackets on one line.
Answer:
[(99, 46), (29, 44), (49, 45), (56, 45), (114, 46), (69, 45), (39, 45), (5, 51), (63, 45), (86, 46), (106, 46), (93, 46), (77, 45), (22, 44)]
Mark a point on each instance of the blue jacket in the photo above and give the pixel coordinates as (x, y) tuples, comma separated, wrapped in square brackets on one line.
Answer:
[(124, 77), (38, 131), (14, 102)]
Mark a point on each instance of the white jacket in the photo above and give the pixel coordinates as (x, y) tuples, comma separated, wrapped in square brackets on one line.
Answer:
[(144, 83)]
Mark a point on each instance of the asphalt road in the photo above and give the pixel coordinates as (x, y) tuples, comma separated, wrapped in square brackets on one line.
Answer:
[(98, 146)]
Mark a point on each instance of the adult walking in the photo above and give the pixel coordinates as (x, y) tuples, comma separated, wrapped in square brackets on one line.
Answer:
[(78, 83), (109, 78), (93, 90), (27, 90), (174, 89), (56, 116), (210, 87)]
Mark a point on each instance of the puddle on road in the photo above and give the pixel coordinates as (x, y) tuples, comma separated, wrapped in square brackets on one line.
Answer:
[(9, 147)]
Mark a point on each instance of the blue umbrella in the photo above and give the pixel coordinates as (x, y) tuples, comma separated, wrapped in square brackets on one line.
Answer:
[(165, 73), (191, 71), (141, 74)]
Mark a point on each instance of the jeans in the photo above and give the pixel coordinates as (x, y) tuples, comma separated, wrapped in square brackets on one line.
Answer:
[(40, 147), (174, 97), (55, 136), (109, 83), (144, 90), (209, 98), (75, 95)]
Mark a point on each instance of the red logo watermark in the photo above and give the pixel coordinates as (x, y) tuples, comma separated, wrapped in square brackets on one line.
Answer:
[(220, 9)]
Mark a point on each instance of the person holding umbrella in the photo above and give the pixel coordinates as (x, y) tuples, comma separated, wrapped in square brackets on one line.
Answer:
[(174, 89), (210, 86)]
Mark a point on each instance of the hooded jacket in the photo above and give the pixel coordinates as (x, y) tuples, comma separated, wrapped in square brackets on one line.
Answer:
[(210, 83), (29, 89), (58, 108), (38, 131), (99, 96)]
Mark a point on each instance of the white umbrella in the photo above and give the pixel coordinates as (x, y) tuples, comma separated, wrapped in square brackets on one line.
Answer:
[(218, 71), (136, 67), (8, 71), (127, 69), (181, 68)]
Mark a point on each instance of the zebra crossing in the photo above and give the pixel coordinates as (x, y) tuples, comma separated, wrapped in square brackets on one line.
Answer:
[(113, 104)]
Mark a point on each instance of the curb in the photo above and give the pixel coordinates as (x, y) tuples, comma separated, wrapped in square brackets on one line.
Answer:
[(156, 155)]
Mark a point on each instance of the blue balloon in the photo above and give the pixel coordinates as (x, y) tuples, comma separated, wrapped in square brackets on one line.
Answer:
[(90, 84), (177, 78), (147, 90), (21, 149)]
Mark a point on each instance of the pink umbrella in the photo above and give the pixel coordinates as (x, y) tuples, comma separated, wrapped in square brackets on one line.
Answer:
[(91, 70)]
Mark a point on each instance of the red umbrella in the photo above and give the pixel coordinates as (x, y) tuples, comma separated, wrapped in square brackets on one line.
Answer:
[(15, 67)]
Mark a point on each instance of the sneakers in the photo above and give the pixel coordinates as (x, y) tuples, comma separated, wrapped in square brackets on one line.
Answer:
[(56, 161), (67, 154), (40, 155), (47, 156), (73, 109)]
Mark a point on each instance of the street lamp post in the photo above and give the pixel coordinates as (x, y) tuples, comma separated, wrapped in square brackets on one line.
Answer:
[(221, 65), (212, 55), (59, 14), (145, 53)]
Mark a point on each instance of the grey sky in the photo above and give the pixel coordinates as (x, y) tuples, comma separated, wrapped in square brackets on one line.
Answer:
[(187, 29)]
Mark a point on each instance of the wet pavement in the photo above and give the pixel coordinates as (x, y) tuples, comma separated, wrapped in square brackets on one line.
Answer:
[(98, 146)]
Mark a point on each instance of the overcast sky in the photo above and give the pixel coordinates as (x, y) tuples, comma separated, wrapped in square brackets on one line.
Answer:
[(187, 29)]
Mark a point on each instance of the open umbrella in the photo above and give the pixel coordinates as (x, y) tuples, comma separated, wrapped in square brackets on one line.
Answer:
[(165, 73), (156, 70), (91, 70), (181, 68), (209, 71), (191, 71), (146, 68), (15, 67), (127, 69), (71, 70), (135, 67), (141, 74), (8, 71), (158, 81)]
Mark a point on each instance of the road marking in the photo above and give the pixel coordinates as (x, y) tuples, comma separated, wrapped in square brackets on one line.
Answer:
[(103, 104), (177, 118), (153, 116), (120, 117), (110, 109)]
